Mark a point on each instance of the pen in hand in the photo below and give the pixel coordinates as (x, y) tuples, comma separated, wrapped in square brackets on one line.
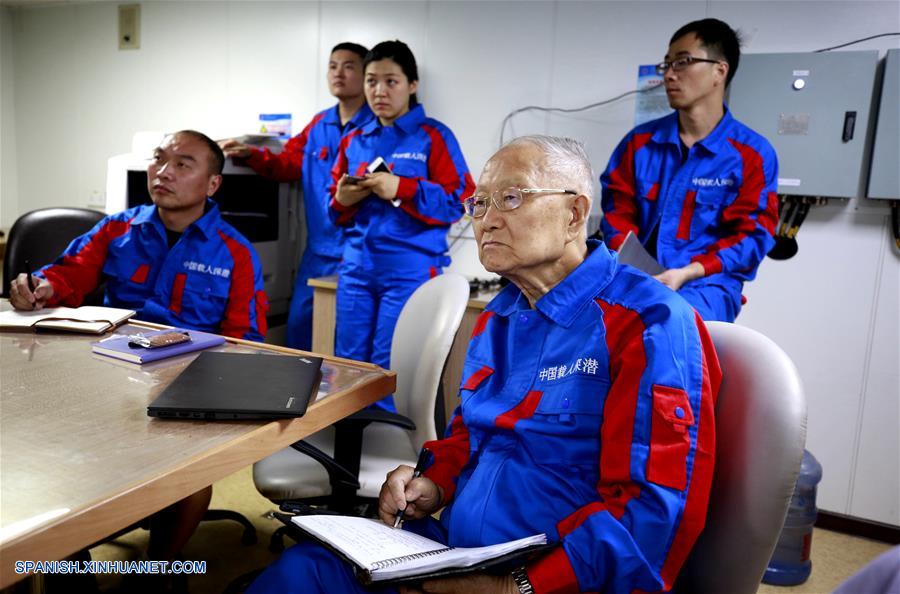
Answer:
[(417, 472), (30, 282), (28, 274)]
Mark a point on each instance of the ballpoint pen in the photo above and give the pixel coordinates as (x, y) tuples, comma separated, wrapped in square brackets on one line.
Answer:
[(417, 472), (28, 274)]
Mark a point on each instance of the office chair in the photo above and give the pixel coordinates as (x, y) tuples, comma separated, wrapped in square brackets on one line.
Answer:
[(42, 235), (760, 435), (343, 467)]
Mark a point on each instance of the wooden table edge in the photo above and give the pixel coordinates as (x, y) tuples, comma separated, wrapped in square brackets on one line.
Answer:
[(103, 518)]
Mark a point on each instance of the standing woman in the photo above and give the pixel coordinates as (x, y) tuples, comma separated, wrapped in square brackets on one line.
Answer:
[(396, 221)]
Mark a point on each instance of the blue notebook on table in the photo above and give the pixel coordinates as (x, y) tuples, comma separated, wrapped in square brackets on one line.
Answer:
[(119, 346)]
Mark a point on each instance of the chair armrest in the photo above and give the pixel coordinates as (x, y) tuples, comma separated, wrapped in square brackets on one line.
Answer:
[(366, 416), (337, 474)]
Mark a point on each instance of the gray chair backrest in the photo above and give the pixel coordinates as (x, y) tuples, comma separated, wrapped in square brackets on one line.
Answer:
[(40, 236), (422, 339), (760, 436)]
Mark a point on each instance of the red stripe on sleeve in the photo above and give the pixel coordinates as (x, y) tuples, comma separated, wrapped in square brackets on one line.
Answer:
[(710, 262), (694, 516), (451, 454), (737, 217), (523, 410), (76, 275), (240, 294), (262, 309), (341, 166), (287, 165), (177, 293), (441, 168), (769, 218), (627, 361), (687, 214), (653, 194), (407, 188), (442, 171), (347, 212), (481, 322), (624, 215)]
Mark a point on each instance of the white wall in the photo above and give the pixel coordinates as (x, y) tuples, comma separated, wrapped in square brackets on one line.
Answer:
[(9, 206), (71, 99)]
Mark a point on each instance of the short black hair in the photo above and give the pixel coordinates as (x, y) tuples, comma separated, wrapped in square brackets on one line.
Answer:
[(359, 50), (719, 39), (216, 156), (400, 53)]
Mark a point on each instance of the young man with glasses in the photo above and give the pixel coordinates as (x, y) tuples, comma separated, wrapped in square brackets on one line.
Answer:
[(696, 187)]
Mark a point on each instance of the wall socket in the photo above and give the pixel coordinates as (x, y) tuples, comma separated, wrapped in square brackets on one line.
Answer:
[(97, 199), (129, 26)]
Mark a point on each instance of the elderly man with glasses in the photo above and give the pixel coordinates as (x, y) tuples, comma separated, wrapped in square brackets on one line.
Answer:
[(696, 187), (586, 408)]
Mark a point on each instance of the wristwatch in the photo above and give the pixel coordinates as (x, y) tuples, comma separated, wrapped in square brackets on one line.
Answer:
[(520, 577)]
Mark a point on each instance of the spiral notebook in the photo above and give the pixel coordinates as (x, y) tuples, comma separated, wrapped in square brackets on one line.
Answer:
[(382, 553)]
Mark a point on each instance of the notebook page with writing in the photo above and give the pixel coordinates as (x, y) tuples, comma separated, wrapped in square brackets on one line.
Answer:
[(368, 543)]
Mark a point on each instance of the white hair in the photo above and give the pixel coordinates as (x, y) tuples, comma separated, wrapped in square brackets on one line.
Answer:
[(565, 160)]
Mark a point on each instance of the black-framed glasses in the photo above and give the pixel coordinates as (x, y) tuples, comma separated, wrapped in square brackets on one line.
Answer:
[(679, 64), (476, 205)]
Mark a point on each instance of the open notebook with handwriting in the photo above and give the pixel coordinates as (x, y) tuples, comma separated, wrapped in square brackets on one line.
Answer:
[(382, 553)]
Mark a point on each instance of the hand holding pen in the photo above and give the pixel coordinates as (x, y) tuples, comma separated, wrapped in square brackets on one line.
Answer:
[(417, 472), (26, 294), (403, 495)]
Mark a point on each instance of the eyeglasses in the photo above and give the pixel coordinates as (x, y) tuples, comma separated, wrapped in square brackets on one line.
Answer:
[(509, 199), (680, 64)]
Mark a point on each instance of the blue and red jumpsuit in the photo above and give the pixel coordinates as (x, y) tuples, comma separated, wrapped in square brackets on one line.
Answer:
[(589, 418), (391, 250), (716, 204), (209, 280), (309, 156)]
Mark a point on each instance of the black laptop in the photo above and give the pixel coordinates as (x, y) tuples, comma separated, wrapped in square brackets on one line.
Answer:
[(240, 386)]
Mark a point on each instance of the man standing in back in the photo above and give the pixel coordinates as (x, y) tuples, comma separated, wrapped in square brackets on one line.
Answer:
[(309, 156), (696, 187)]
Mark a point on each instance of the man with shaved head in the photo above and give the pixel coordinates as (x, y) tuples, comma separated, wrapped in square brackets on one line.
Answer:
[(586, 410), (174, 261)]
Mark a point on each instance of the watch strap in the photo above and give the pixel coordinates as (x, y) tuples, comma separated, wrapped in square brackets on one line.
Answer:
[(520, 577)]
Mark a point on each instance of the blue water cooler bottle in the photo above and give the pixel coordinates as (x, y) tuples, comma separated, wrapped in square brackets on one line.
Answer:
[(790, 564)]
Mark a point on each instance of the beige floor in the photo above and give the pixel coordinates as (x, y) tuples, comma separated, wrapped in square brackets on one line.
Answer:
[(835, 556)]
